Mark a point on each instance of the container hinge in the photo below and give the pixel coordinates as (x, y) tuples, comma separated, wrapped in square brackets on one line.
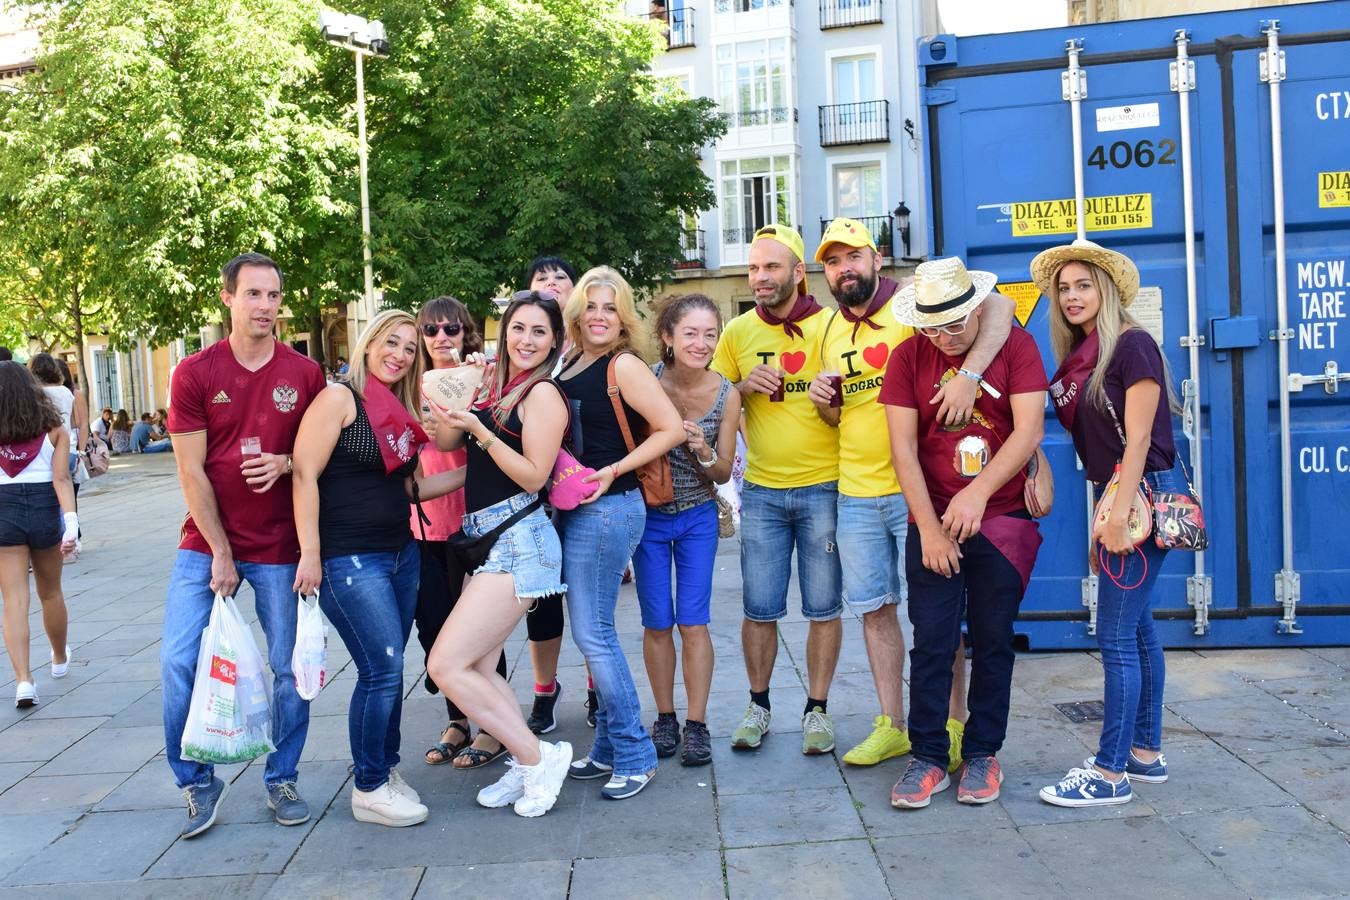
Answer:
[(1200, 596), (1288, 588), (1286, 335), (1192, 340), (1074, 84), (1090, 601), (1330, 379), (1181, 84)]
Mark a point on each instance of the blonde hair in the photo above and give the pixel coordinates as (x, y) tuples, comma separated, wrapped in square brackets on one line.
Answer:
[(408, 388), (632, 334), (1113, 320)]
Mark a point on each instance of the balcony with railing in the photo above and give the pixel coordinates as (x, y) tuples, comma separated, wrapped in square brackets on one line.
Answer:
[(749, 118), (693, 250), (843, 13), (678, 25), (880, 227), (868, 122)]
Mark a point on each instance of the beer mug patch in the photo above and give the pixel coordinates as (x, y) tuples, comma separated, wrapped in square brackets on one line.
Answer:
[(972, 455)]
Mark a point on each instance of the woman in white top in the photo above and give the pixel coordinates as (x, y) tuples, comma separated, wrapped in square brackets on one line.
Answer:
[(37, 521)]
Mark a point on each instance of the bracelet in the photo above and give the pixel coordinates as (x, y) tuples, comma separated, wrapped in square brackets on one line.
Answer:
[(614, 467), (484, 445), (709, 464), (290, 464), (973, 376)]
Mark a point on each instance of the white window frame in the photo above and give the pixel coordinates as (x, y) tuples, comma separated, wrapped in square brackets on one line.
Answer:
[(793, 172), (789, 77), (686, 72), (879, 62), (857, 159)]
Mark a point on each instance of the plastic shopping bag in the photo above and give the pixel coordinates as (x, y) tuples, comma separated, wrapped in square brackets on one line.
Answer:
[(229, 719), (311, 648)]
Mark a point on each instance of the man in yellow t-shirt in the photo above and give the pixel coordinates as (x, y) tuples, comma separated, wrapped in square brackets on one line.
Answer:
[(857, 341), (771, 353)]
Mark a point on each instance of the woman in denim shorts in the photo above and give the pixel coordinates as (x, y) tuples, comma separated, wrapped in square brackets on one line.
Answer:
[(36, 497), (514, 433)]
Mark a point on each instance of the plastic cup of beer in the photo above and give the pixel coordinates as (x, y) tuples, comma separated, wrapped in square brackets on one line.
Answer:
[(836, 382), (250, 448), (781, 392)]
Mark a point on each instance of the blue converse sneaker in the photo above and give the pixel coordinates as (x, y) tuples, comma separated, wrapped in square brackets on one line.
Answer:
[(1087, 787), (1138, 770)]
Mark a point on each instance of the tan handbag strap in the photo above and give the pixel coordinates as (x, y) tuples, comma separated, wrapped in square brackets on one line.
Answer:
[(620, 416)]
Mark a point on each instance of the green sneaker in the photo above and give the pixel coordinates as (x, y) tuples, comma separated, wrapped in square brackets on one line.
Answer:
[(817, 732), (752, 729), (955, 732), (885, 742)]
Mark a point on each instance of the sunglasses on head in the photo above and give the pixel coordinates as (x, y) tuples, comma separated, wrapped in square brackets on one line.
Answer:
[(534, 295), (449, 329)]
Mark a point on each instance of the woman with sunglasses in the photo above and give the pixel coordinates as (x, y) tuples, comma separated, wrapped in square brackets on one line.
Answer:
[(600, 535), (516, 431), (1113, 393)]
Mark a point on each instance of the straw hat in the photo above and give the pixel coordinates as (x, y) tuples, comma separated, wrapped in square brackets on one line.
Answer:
[(943, 291), (1122, 270)]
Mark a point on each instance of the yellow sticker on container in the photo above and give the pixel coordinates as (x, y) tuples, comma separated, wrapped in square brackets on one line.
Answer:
[(1333, 190), (1040, 217), (1025, 294)]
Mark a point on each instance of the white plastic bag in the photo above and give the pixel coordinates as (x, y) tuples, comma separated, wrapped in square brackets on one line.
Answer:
[(229, 719), (311, 648)]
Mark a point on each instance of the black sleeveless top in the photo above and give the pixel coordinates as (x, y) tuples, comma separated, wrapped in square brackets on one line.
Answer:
[(485, 483), (596, 439), (361, 509)]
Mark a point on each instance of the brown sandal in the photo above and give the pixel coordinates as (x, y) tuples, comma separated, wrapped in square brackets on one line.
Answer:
[(446, 750)]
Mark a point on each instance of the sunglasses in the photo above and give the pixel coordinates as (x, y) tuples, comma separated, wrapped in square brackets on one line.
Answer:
[(449, 329), (953, 329), (532, 295)]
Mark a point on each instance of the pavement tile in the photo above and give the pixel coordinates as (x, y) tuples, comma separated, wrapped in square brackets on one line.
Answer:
[(151, 787), (1319, 778), (778, 762), (148, 709), (1264, 663), (238, 887), (328, 739), (1246, 727), (1280, 852), (672, 811), (673, 875), (789, 817), (387, 884), (544, 880), (11, 773), (1020, 798), (1204, 777), (232, 849), (920, 865), (58, 792), (108, 750), (25, 835), (95, 698), (1326, 698), (138, 667), (837, 869), (42, 739), (111, 846)]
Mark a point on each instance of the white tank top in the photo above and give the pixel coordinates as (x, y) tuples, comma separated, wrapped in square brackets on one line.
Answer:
[(64, 401), (39, 471)]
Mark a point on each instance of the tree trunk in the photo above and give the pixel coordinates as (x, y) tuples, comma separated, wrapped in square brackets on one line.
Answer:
[(316, 329), (77, 318)]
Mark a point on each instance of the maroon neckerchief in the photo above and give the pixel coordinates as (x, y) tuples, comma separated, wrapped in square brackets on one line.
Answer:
[(493, 396), (16, 457), (1017, 540), (397, 433), (1071, 378), (886, 289), (805, 307)]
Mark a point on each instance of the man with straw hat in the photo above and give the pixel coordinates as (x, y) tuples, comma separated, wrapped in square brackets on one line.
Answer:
[(857, 342), (973, 544), (771, 353)]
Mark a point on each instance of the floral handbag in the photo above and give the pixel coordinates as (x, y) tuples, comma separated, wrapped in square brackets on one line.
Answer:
[(1178, 520)]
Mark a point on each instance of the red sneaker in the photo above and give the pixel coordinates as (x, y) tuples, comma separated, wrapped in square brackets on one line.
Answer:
[(980, 778), (920, 782)]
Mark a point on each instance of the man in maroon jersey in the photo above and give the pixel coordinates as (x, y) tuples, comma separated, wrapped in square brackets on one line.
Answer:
[(235, 409)]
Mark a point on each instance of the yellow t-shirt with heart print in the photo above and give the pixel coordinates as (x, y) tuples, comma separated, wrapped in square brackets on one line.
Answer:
[(865, 468), (787, 443)]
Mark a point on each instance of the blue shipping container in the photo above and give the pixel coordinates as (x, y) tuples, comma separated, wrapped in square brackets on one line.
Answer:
[(1274, 446)]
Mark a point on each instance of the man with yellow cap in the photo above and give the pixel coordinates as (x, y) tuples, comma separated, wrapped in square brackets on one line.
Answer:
[(857, 341), (771, 353)]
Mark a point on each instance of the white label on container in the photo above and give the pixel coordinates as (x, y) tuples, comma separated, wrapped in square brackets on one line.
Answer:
[(1147, 308), (1120, 118)]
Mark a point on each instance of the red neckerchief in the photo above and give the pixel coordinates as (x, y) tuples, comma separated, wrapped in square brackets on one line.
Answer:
[(397, 433), (804, 308), (1071, 378), (886, 289), (493, 396), (14, 458)]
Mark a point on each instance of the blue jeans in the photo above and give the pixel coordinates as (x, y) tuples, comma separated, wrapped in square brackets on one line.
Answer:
[(187, 610), (598, 539), (773, 520), (689, 540), (871, 534), (1132, 654), (370, 598)]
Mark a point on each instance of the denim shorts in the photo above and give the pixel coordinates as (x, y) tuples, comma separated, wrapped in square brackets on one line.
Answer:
[(871, 534), (773, 522), (529, 551), (30, 516)]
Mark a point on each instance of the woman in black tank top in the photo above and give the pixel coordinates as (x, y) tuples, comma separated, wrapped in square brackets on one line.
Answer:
[(600, 535), (515, 434)]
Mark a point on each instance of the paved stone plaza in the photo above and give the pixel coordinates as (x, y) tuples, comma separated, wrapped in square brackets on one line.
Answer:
[(1258, 743)]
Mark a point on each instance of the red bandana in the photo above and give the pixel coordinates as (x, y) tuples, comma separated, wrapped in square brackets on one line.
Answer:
[(886, 289), (14, 458), (396, 432), (804, 308), (1071, 378)]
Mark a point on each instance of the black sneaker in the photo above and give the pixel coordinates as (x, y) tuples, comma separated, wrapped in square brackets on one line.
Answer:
[(542, 718), (591, 706), (666, 734), (697, 745)]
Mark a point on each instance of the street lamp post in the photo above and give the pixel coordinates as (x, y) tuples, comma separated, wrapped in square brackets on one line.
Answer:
[(362, 38)]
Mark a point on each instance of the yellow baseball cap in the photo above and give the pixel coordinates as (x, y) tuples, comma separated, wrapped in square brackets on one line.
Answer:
[(845, 231), (785, 235)]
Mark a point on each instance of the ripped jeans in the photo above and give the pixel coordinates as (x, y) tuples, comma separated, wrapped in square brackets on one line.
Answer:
[(370, 599)]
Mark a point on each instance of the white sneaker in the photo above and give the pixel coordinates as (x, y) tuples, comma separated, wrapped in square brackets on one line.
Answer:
[(397, 783), (25, 695), (505, 790), (544, 781), (59, 670), (387, 806)]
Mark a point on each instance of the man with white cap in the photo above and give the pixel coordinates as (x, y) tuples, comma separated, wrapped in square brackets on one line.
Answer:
[(973, 543), (857, 342)]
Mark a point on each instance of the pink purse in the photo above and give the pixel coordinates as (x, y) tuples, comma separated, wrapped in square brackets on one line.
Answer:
[(566, 489)]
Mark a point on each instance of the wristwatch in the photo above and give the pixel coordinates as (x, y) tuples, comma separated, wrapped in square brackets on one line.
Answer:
[(709, 463)]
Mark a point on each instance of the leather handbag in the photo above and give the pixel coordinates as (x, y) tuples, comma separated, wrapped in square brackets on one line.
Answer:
[(1178, 520), (726, 517), (1038, 491), (658, 487)]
